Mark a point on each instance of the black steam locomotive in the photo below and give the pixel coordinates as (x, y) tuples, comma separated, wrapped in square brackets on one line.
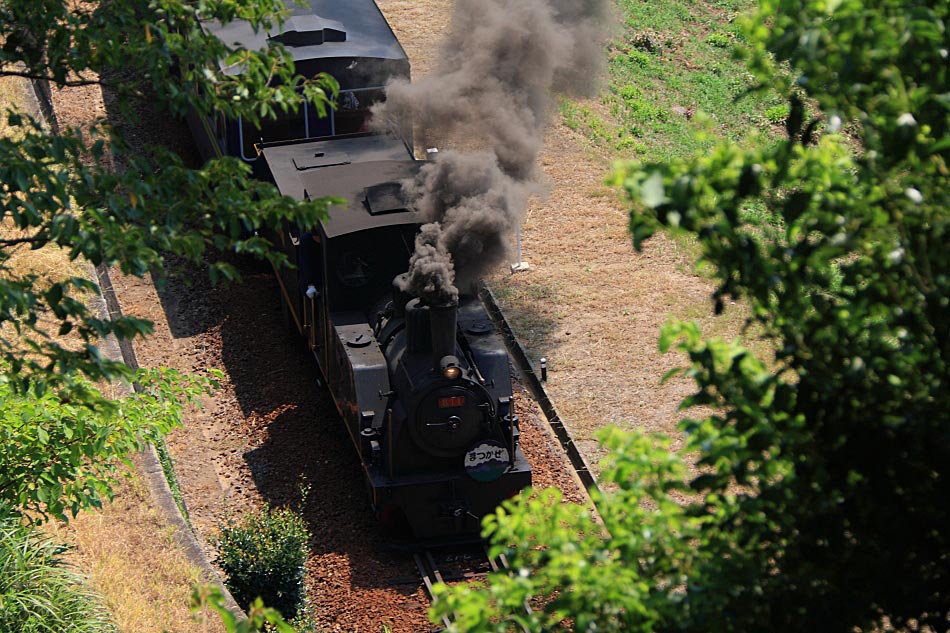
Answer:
[(424, 390)]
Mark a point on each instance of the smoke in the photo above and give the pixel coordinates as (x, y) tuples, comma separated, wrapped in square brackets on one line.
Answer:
[(431, 270), (473, 205), (501, 66)]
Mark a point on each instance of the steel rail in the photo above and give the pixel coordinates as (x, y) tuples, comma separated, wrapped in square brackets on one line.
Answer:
[(430, 575)]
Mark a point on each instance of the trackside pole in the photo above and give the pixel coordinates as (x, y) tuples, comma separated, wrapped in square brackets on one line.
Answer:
[(519, 264)]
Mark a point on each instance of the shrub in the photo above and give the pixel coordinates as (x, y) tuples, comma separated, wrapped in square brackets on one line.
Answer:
[(626, 142), (629, 92), (38, 594), (645, 111), (264, 556)]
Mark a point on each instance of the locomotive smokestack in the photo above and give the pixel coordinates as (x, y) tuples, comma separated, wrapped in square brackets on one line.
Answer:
[(431, 329), (442, 325), (418, 337)]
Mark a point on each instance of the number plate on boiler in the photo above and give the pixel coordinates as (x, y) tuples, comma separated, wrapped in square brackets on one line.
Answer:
[(452, 402)]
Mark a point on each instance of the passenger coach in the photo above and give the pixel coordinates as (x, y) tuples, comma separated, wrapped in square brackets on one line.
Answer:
[(350, 40)]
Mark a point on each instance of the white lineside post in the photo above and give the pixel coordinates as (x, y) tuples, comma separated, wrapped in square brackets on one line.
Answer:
[(519, 264)]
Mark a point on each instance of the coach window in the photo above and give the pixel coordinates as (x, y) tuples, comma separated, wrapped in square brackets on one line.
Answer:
[(283, 126)]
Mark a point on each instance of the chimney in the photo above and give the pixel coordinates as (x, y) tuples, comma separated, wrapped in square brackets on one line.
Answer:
[(431, 329), (418, 337), (442, 324)]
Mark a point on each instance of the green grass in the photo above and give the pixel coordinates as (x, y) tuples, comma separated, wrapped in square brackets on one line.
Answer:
[(777, 114), (719, 40), (38, 593), (673, 62), (168, 467)]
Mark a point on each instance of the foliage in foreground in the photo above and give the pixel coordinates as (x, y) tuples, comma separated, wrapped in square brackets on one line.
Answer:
[(819, 502), (57, 456), (259, 617), (264, 556), (93, 195), (38, 593)]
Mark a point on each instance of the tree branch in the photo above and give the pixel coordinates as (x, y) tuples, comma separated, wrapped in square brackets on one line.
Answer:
[(71, 83), (24, 240)]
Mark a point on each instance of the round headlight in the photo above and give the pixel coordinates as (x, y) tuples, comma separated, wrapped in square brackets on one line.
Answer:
[(452, 372)]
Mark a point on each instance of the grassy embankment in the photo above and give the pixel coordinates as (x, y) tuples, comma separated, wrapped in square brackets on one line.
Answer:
[(124, 550), (670, 68)]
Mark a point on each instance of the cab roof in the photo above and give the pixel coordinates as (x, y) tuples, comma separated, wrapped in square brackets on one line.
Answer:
[(366, 171), (319, 29)]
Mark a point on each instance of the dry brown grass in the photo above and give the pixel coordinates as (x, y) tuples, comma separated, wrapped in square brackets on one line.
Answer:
[(599, 318), (420, 26), (13, 94), (48, 264), (128, 555)]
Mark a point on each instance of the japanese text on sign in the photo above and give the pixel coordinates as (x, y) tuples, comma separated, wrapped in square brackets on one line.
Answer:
[(480, 456)]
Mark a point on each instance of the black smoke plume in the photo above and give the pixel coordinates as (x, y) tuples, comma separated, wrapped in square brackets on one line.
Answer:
[(502, 63), (431, 271)]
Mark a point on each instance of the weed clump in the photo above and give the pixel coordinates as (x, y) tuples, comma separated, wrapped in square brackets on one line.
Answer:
[(719, 40), (38, 592), (777, 114)]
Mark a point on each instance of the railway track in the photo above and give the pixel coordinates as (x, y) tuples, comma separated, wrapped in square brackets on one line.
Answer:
[(430, 574), (261, 437), (269, 428), (456, 563)]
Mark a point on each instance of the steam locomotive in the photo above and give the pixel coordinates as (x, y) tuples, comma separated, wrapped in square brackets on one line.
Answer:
[(424, 389)]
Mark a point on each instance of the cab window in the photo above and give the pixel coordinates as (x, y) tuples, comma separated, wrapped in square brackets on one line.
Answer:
[(352, 112)]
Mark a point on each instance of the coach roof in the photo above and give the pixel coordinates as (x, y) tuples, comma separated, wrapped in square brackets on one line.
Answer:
[(320, 29)]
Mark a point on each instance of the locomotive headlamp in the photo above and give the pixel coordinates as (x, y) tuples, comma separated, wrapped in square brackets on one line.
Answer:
[(450, 367)]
